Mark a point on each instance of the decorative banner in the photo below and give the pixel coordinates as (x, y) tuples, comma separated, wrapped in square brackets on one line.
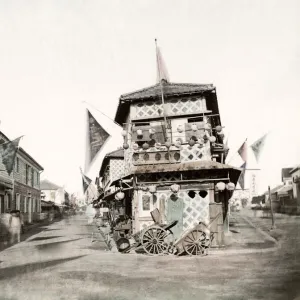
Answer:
[(243, 151), (85, 181), (97, 136), (242, 176), (258, 146), (162, 72), (8, 153)]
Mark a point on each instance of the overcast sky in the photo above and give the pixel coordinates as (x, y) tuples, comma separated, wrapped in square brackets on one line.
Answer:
[(56, 54)]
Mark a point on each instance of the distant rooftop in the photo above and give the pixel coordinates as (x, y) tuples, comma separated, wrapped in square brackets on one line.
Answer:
[(48, 185)]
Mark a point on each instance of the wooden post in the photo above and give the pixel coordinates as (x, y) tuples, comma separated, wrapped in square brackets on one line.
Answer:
[(271, 209)]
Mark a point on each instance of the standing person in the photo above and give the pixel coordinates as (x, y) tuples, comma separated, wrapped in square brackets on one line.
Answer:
[(15, 227), (90, 213)]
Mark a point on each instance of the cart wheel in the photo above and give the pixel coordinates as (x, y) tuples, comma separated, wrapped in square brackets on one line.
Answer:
[(155, 240), (193, 243)]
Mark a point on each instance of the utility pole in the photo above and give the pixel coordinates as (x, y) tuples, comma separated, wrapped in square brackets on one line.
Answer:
[(271, 210)]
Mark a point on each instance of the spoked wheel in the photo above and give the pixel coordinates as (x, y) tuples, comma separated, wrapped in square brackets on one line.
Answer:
[(155, 240), (194, 243)]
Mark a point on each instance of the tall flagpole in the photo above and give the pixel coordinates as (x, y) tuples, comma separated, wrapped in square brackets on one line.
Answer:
[(161, 86)]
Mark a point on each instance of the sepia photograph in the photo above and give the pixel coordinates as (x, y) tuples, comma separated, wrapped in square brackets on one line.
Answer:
[(149, 150)]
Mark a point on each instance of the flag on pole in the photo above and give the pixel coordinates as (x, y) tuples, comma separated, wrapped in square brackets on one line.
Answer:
[(242, 176), (162, 72), (96, 138), (258, 146), (8, 152), (85, 181), (243, 151)]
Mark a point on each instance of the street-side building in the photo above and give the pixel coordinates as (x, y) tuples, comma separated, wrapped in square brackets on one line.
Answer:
[(21, 190), (286, 176), (295, 173), (53, 193)]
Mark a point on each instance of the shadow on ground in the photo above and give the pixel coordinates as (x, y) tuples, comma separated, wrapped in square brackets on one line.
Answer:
[(50, 246), (11, 272)]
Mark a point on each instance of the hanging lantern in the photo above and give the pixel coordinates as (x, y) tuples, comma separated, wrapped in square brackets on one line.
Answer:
[(192, 142), (139, 132), (230, 186), (152, 189), (218, 128), (212, 139), (157, 145), (120, 196), (178, 144), (220, 186), (145, 146), (168, 144), (152, 131), (124, 133), (194, 127), (207, 126), (205, 138), (125, 146), (180, 128), (175, 188), (144, 188), (135, 146)]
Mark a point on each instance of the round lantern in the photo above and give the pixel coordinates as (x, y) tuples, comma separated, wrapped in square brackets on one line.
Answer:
[(192, 142), (220, 186), (152, 131), (177, 144), (144, 188), (201, 141), (168, 144), (207, 126), (145, 146), (125, 146), (120, 195), (175, 188), (124, 133), (135, 146), (139, 132), (194, 127), (218, 128), (157, 145), (205, 138), (212, 139), (230, 186), (152, 189), (180, 128)]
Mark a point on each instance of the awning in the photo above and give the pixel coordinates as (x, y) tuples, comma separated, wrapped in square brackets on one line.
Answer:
[(207, 166)]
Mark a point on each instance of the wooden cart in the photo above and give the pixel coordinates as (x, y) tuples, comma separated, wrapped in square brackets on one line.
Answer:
[(195, 241)]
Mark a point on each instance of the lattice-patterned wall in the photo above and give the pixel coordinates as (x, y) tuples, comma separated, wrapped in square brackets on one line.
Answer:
[(195, 153), (173, 108), (116, 169)]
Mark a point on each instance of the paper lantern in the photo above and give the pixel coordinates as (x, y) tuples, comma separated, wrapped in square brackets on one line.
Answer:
[(212, 139), (152, 131), (120, 196), (192, 142), (125, 146), (152, 189), (180, 128), (194, 127), (207, 126), (135, 146), (124, 133), (178, 144), (201, 141), (157, 145), (220, 186), (144, 188), (175, 188), (218, 128), (230, 186), (168, 144), (139, 132), (145, 146)]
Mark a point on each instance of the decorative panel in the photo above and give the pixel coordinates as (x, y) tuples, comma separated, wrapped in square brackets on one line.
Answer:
[(157, 157), (194, 153), (116, 169), (187, 106), (148, 109)]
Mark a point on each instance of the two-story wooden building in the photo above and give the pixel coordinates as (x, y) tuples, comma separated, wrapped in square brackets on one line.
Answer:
[(21, 190), (174, 154)]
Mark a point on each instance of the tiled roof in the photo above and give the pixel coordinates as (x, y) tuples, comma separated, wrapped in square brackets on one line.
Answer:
[(285, 189), (168, 89), (274, 190), (295, 169), (119, 153), (48, 185)]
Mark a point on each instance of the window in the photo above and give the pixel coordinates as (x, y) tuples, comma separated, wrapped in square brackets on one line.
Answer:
[(17, 165), (18, 205), (27, 174), (25, 204), (32, 177)]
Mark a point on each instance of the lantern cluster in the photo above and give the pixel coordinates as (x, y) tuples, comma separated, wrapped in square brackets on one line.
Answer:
[(221, 186)]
